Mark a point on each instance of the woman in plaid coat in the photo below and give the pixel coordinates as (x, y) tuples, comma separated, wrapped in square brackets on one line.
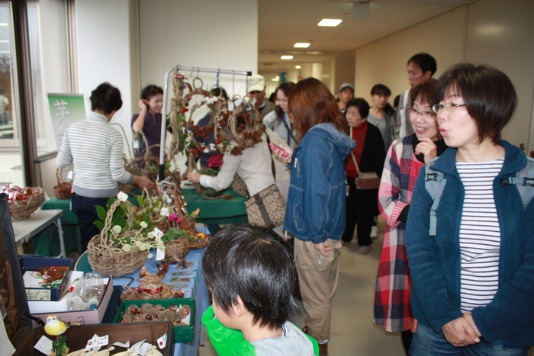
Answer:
[(404, 159)]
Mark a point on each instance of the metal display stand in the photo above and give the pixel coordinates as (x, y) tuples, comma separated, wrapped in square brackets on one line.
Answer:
[(197, 70)]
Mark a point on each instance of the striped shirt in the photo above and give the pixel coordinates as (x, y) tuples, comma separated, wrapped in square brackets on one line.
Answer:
[(480, 234), (95, 149)]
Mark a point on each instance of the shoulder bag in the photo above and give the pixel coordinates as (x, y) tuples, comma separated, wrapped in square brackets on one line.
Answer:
[(365, 180), (266, 208)]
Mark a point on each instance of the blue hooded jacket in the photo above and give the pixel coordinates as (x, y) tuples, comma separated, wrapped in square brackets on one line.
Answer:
[(316, 203)]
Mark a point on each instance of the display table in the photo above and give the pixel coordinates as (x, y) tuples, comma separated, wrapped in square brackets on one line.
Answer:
[(200, 293), (42, 219), (227, 209)]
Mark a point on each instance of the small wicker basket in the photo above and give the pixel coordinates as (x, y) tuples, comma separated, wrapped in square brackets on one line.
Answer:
[(24, 209), (176, 250), (63, 189)]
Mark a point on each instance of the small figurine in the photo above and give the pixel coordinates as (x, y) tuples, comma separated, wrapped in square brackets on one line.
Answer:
[(54, 326)]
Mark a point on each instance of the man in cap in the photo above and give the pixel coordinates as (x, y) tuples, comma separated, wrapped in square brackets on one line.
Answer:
[(256, 91), (346, 93)]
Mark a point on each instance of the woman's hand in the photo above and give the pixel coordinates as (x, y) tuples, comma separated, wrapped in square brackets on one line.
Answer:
[(323, 249), (427, 148), (193, 177), (461, 332), (143, 182), (142, 105)]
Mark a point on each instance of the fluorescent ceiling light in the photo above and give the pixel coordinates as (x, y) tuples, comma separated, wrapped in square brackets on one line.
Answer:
[(298, 66), (301, 45), (276, 78), (286, 57), (329, 22)]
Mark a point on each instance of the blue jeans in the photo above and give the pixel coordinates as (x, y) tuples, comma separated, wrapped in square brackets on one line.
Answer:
[(427, 342)]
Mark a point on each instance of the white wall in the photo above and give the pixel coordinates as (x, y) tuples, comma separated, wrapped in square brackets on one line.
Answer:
[(199, 33), (492, 32), (105, 51)]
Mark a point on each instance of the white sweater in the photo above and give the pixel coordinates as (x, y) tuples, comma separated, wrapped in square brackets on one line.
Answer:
[(95, 149)]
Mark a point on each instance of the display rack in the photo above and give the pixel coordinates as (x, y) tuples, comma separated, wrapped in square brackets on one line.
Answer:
[(197, 70)]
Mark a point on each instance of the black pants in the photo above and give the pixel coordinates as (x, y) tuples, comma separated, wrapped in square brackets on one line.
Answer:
[(85, 211), (361, 209)]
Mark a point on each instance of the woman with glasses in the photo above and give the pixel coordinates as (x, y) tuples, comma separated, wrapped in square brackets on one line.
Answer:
[(278, 120), (404, 159), (473, 282)]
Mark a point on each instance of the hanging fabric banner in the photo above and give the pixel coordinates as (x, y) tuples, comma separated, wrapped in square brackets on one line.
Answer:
[(64, 110)]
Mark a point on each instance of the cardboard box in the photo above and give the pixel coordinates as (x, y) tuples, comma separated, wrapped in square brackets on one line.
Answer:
[(181, 333), (30, 264), (42, 309), (77, 336)]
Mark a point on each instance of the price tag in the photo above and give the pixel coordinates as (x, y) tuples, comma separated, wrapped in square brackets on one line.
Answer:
[(70, 175), (97, 342), (164, 211), (122, 196), (136, 144), (230, 106), (162, 341), (44, 345)]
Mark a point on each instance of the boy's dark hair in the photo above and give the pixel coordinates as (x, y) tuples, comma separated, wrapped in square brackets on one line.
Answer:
[(106, 98), (150, 91), (380, 89), (489, 96), (425, 61), (254, 264), (361, 104)]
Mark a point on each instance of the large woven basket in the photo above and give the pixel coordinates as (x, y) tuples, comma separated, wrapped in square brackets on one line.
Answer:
[(112, 260), (108, 259), (176, 250), (24, 209), (63, 189)]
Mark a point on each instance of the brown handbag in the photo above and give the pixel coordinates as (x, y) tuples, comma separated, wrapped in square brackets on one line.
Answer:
[(365, 180), (266, 208)]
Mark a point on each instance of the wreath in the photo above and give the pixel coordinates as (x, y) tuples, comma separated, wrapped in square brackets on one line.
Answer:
[(238, 128)]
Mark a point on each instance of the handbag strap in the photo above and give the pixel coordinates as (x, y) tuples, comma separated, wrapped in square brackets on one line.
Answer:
[(355, 163), (273, 169)]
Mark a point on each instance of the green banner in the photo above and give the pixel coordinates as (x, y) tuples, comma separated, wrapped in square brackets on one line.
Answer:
[(64, 110)]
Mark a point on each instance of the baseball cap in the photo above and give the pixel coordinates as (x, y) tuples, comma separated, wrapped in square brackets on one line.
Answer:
[(346, 86), (256, 83)]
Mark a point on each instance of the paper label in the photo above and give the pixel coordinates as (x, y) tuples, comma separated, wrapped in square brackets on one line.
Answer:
[(160, 254), (44, 345), (70, 175), (164, 211), (162, 341), (122, 196), (136, 144), (97, 342), (158, 232)]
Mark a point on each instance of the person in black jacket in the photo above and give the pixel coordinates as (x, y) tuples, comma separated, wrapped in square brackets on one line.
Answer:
[(369, 154)]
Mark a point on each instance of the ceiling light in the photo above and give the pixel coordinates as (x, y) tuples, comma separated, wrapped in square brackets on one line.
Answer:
[(276, 79), (301, 45), (329, 22), (298, 66), (286, 58)]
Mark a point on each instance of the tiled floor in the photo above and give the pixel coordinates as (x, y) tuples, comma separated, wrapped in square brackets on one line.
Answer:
[(353, 331)]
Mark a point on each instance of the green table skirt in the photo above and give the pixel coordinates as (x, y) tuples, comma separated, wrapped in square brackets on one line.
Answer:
[(227, 209)]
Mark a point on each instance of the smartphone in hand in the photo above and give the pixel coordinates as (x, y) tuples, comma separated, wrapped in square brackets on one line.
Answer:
[(279, 150)]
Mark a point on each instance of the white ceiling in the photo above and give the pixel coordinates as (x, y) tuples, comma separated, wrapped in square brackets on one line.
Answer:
[(284, 22)]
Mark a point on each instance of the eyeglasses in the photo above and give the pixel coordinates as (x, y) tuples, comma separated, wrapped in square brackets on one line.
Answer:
[(425, 113), (450, 107)]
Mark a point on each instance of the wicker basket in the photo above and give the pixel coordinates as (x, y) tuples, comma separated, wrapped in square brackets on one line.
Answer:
[(108, 259), (24, 209), (176, 250), (63, 189), (198, 244), (112, 260)]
